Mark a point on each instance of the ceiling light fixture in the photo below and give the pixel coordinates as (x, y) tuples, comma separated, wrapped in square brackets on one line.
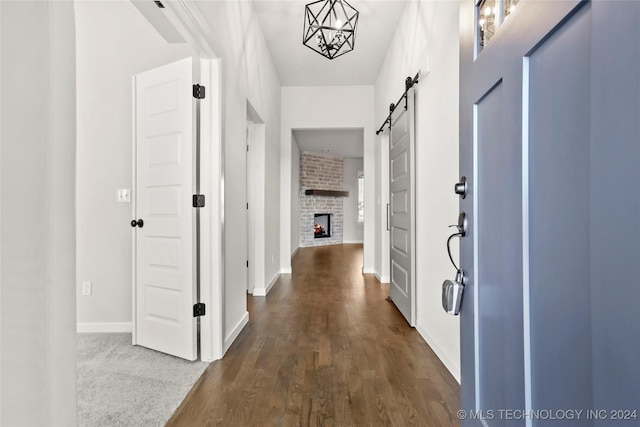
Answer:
[(330, 27)]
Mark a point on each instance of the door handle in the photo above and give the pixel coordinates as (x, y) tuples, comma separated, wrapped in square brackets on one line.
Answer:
[(452, 290), (139, 223), (462, 224), (460, 188), (388, 217), (462, 231)]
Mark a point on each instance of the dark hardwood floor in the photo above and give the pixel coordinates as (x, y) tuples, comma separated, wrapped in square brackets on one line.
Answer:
[(324, 348)]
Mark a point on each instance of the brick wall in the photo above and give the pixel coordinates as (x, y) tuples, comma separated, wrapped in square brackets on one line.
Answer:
[(320, 172)]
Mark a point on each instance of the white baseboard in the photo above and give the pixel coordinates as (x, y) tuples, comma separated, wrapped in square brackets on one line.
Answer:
[(104, 327), (368, 271), (286, 270), (236, 331), (351, 242), (382, 279), (452, 366), (295, 252), (262, 292)]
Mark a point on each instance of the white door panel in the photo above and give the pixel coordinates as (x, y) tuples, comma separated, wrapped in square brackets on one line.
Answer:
[(165, 282)]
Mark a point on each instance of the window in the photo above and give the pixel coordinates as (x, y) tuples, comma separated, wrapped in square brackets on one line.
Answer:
[(490, 15), (360, 196)]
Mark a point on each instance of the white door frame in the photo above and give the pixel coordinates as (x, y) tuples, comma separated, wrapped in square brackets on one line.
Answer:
[(257, 280), (189, 22), (250, 182), (384, 275), (211, 218)]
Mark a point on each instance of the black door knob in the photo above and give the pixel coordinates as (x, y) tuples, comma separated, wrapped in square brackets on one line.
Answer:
[(138, 223)]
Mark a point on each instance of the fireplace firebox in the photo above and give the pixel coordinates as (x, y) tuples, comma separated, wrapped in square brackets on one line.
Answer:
[(321, 225)]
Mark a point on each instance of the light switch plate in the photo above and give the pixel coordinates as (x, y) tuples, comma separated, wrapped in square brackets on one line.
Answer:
[(124, 195), (86, 288)]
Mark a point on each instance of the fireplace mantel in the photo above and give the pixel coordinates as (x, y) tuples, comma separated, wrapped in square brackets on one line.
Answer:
[(329, 193)]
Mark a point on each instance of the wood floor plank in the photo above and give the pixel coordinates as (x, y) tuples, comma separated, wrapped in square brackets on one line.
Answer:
[(324, 348)]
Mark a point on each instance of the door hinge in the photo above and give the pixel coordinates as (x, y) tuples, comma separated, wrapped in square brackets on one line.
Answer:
[(198, 91), (247, 205), (247, 148), (198, 309), (247, 263), (198, 200)]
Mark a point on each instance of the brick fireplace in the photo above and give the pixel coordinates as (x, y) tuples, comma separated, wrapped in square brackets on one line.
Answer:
[(320, 172)]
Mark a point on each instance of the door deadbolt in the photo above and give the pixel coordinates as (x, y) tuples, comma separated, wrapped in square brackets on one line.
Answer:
[(452, 291), (138, 223), (460, 188)]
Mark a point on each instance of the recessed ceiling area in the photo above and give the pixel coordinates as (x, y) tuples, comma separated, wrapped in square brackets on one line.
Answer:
[(297, 65), (335, 142)]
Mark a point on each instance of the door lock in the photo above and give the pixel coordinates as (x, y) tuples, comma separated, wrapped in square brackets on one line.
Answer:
[(138, 223), (452, 290), (461, 187)]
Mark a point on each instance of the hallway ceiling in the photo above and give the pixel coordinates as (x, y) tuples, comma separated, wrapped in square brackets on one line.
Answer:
[(297, 65), (335, 142)]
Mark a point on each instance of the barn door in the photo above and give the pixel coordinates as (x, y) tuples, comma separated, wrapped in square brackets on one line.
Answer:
[(402, 289)]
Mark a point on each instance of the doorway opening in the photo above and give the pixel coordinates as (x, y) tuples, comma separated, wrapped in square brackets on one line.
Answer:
[(327, 188), (255, 201)]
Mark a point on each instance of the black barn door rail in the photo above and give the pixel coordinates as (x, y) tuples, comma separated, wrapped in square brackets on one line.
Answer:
[(408, 84)]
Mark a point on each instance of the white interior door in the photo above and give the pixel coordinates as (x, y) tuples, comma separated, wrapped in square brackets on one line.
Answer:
[(164, 236), (402, 290)]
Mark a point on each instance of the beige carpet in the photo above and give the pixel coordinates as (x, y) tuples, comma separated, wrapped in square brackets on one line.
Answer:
[(123, 385)]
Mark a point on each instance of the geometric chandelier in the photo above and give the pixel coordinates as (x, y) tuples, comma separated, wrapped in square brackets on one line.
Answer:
[(330, 27)]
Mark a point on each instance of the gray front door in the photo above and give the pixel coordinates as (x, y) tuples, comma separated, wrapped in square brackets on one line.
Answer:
[(402, 289), (550, 143)]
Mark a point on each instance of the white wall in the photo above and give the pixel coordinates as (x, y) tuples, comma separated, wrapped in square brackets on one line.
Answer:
[(37, 214), (427, 38), (114, 42), (353, 111), (353, 231), (248, 74), (295, 196)]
